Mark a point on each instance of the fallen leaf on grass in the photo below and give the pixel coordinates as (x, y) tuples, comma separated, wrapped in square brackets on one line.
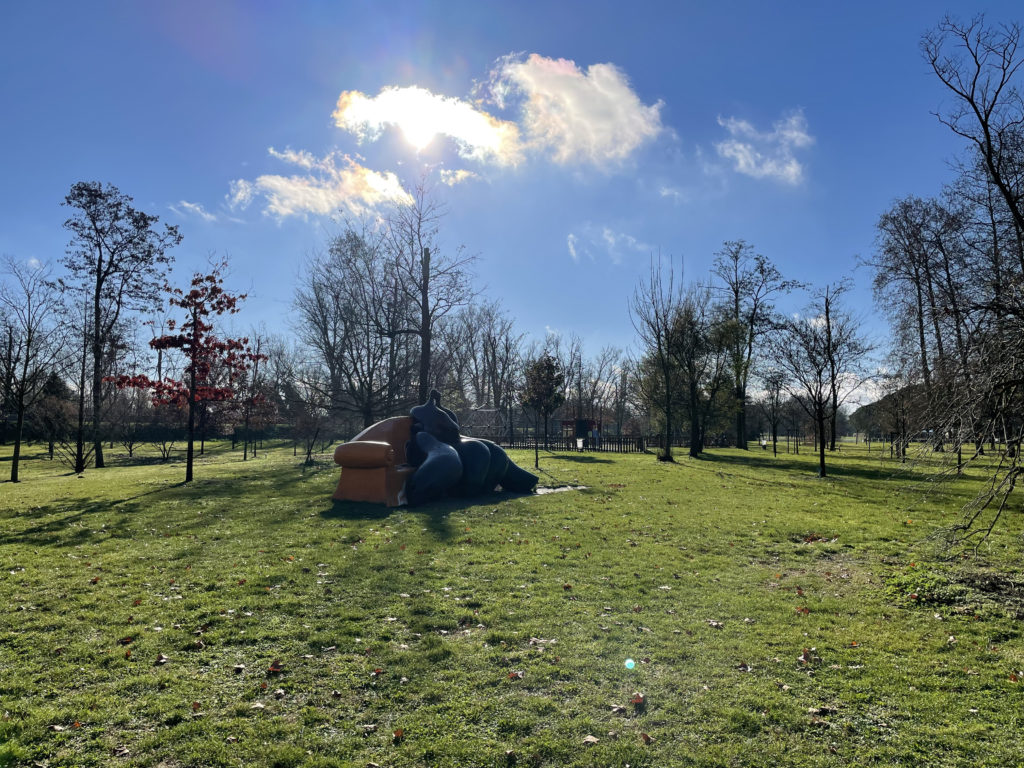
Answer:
[(275, 668), (645, 738), (121, 752), (398, 735), (258, 705), (590, 741), (195, 706), (715, 624), (516, 675), (161, 659), (238, 668), (744, 667), (808, 656), (618, 709)]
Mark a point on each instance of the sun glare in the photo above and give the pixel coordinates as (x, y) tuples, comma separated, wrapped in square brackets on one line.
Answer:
[(421, 116), (417, 133)]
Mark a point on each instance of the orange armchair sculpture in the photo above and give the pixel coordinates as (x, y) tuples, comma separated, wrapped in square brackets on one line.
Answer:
[(373, 464)]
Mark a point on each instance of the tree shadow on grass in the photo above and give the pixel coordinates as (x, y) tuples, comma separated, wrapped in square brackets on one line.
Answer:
[(802, 466), (434, 516), (66, 524), (579, 458), (874, 476)]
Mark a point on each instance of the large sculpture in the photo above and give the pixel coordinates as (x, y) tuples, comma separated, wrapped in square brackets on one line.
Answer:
[(421, 458)]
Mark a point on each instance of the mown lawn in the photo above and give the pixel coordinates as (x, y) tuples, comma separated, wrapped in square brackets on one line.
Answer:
[(775, 619)]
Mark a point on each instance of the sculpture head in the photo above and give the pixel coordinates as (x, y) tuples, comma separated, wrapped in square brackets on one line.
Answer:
[(435, 420)]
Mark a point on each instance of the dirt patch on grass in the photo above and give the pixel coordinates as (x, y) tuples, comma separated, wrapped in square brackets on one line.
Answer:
[(995, 587)]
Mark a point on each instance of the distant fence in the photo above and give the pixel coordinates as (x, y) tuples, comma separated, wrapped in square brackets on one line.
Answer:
[(620, 444)]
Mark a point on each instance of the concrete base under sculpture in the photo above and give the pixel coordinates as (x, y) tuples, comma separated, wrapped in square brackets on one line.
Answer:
[(422, 458)]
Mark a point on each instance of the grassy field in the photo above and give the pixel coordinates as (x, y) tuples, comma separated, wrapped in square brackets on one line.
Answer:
[(775, 619)]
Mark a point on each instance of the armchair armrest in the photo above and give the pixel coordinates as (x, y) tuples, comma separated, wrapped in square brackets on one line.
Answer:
[(364, 454)]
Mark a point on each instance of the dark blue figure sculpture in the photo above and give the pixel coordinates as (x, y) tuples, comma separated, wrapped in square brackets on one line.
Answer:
[(448, 463)]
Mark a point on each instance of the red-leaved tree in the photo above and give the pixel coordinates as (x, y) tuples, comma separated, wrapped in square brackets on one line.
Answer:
[(203, 350)]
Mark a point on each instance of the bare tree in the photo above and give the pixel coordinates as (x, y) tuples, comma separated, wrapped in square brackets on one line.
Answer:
[(693, 351), (501, 346), (599, 374), (432, 281), (119, 259), (653, 310), (979, 64), (749, 280), (821, 353), (30, 306), (771, 401), (352, 313)]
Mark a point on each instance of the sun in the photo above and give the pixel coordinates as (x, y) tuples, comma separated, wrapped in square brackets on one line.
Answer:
[(418, 133)]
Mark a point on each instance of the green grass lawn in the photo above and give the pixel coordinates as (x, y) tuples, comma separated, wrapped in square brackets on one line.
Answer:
[(775, 619)]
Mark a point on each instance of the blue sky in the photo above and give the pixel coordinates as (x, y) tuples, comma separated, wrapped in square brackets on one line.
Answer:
[(569, 141)]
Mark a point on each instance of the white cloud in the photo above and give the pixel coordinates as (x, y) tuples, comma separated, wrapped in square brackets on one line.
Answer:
[(185, 208), (422, 115), (568, 114), (766, 154), (576, 116), (240, 194), (676, 195), (617, 245), (332, 182), (451, 178)]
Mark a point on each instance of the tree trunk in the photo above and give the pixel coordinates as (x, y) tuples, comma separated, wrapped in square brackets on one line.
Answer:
[(741, 419), (536, 452), (18, 430), (189, 452), (80, 432), (425, 329), (666, 453), (97, 366), (820, 424), (695, 436)]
